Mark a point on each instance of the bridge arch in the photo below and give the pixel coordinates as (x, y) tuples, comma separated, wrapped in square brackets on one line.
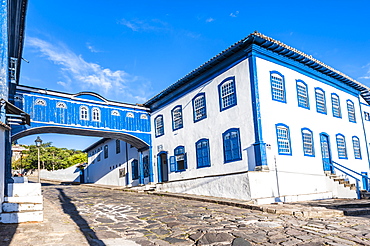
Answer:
[(130, 139)]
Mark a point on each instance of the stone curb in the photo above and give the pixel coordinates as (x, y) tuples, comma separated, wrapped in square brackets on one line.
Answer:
[(281, 209)]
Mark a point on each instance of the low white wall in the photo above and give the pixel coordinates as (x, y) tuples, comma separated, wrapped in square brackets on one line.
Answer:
[(229, 186), (69, 174)]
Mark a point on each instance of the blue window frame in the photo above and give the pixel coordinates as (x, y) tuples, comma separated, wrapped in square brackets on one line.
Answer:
[(356, 147), (277, 86), (307, 139), (202, 150), (177, 117), (227, 93), (351, 111), (341, 146), (146, 166), (159, 126), (320, 100), (335, 103), (283, 139), (180, 155), (118, 146), (135, 169), (367, 116), (199, 107), (105, 151), (302, 94), (232, 148)]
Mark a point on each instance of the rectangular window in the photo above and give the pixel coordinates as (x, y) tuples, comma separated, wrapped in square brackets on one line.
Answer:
[(105, 151), (202, 151), (351, 111), (307, 138), (367, 116), (159, 126), (283, 139), (231, 142), (320, 101), (118, 146), (356, 147), (177, 118), (336, 105), (135, 169), (302, 94), (227, 93), (180, 156), (341, 145), (199, 107), (277, 86), (146, 166)]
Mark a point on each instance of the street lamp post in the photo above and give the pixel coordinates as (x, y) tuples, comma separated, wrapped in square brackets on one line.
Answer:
[(38, 142)]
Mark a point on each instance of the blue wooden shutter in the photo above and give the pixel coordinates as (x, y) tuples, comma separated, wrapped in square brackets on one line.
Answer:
[(172, 164), (185, 162)]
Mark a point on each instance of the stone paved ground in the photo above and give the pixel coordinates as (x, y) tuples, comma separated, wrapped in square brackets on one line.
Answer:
[(113, 217)]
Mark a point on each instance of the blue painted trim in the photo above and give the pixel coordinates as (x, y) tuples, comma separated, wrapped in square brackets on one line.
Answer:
[(345, 146), (239, 145), (332, 105), (307, 95), (363, 128), (141, 168), (354, 111), (317, 109), (159, 163), (182, 118), (232, 78), (277, 139), (259, 146), (208, 150), (359, 147), (283, 84), (205, 107), (155, 126), (329, 150), (151, 173), (313, 145), (305, 70), (184, 153)]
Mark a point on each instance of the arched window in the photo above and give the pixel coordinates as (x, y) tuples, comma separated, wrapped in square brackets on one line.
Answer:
[(96, 114), (115, 113), (335, 102), (177, 118), (283, 139), (199, 107), (159, 126), (135, 169), (307, 139), (202, 150), (320, 101), (61, 105), (41, 102), (231, 142), (84, 113), (302, 94), (130, 115), (341, 146), (227, 93), (356, 147), (351, 111), (277, 86)]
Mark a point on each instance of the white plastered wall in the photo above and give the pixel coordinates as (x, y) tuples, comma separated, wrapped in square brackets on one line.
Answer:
[(226, 180), (106, 171), (299, 174)]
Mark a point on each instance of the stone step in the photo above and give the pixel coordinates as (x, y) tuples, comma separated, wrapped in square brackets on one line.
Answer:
[(18, 207), (356, 211), (18, 217), (24, 199), (24, 189)]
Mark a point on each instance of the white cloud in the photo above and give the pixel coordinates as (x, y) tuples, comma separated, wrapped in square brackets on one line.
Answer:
[(210, 19), (92, 48), (234, 14), (82, 75), (137, 25)]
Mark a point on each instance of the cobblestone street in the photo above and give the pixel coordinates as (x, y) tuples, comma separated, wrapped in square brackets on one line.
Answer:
[(113, 217)]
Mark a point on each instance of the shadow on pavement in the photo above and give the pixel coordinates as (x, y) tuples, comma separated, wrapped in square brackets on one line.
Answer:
[(70, 209), (7, 232)]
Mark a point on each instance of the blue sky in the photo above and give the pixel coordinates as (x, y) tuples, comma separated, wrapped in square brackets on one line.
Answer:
[(129, 51)]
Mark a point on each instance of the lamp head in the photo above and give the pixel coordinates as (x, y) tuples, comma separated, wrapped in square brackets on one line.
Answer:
[(38, 141)]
